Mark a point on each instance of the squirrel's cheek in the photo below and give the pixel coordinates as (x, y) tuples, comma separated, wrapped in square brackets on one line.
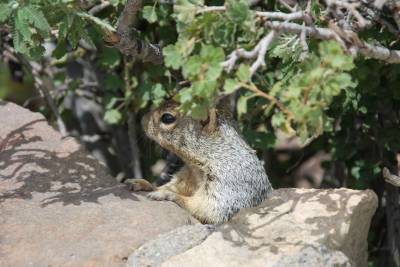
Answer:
[(145, 121)]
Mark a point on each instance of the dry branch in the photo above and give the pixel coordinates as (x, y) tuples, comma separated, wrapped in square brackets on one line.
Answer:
[(364, 48), (126, 37), (263, 46), (346, 13)]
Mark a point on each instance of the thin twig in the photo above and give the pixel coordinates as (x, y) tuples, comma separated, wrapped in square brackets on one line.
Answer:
[(281, 15), (303, 34), (258, 51), (264, 14), (352, 9), (211, 9), (364, 48), (287, 6), (263, 46), (272, 99)]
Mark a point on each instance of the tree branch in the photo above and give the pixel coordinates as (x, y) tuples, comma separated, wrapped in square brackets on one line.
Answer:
[(258, 51), (263, 46), (264, 14), (126, 37), (359, 46)]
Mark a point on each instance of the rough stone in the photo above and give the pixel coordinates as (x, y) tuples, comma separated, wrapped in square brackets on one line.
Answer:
[(284, 226), (154, 252), (313, 256), (59, 206)]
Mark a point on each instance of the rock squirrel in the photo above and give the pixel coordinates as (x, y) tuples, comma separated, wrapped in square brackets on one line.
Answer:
[(221, 173)]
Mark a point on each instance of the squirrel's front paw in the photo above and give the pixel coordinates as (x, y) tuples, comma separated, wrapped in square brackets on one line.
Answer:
[(136, 185), (161, 195)]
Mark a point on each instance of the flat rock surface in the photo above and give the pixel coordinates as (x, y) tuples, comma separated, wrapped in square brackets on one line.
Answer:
[(59, 206), (289, 229)]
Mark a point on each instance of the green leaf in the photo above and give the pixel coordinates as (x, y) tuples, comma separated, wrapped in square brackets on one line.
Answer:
[(36, 18), (112, 82), (243, 73), (184, 95), (230, 86), (96, 21), (113, 116), (238, 10), (192, 67), (185, 10), (212, 54), (60, 50), (18, 42), (172, 57), (333, 54), (75, 30), (5, 12), (204, 89), (278, 120), (149, 14), (242, 106), (109, 58), (110, 102), (199, 111), (63, 27), (22, 27), (213, 72), (158, 93)]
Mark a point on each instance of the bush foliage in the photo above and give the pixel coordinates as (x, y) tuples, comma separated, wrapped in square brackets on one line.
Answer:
[(327, 96)]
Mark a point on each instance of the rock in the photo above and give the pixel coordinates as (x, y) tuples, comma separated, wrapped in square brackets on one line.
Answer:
[(154, 252), (314, 256), (290, 227), (59, 206)]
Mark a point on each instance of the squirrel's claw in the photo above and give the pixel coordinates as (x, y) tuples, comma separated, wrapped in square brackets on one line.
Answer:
[(161, 195), (136, 185)]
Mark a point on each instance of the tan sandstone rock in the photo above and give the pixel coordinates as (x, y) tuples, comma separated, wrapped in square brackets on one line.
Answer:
[(295, 227), (59, 207)]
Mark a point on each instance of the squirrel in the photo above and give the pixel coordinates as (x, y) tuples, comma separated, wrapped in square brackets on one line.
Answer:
[(221, 173)]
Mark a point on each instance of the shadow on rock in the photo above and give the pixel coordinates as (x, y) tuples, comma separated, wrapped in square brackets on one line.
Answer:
[(35, 159)]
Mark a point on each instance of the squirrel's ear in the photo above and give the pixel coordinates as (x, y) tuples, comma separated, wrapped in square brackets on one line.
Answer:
[(211, 123)]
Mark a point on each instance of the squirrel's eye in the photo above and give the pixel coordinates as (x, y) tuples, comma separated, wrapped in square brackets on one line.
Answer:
[(168, 118)]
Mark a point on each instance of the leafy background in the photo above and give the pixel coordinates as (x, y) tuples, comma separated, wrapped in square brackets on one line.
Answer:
[(328, 120)]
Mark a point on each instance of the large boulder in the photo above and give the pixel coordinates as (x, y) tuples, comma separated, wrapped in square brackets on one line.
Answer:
[(59, 206), (295, 227)]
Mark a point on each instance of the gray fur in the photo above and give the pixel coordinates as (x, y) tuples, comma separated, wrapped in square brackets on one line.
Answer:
[(232, 175)]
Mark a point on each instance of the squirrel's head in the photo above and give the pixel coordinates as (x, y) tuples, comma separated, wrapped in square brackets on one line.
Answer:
[(176, 132)]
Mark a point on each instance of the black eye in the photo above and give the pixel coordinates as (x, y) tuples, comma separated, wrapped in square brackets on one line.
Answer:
[(168, 118)]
